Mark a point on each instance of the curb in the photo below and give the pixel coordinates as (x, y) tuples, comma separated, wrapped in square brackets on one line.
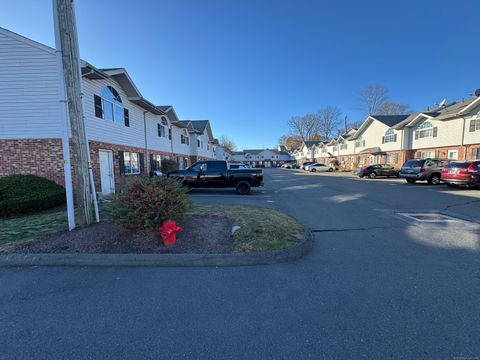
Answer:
[(162, 260)]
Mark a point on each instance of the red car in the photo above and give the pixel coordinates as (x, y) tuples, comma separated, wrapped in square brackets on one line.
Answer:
[(462, 173)]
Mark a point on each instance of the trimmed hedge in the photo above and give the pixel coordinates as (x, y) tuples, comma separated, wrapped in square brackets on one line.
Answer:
[(148, 202), (21, 194)]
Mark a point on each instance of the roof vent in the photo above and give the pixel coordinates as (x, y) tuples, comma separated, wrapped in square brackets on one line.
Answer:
[(477, 93)]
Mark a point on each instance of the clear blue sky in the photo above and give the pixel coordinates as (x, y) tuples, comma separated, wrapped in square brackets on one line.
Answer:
[(249, 65)]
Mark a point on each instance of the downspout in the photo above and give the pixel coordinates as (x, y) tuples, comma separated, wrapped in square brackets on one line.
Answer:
[(145, 134), (401, 148), (463, 139)]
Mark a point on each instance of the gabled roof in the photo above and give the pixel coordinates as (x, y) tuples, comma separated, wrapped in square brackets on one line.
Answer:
[(199, 127), (253, 151), (26, 40), (389, 120), (310, 143)]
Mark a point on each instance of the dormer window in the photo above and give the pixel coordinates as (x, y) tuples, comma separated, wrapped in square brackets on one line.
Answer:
[(109, 106), (112, 105), (426, 130), (390, 136)]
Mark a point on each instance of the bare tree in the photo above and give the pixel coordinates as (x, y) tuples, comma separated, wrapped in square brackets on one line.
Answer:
[(372, 98), (227, 143), (328, 120), (291, 142), (393, 108)]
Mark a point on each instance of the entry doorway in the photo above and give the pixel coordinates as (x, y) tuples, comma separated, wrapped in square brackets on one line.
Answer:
[(107, 178)]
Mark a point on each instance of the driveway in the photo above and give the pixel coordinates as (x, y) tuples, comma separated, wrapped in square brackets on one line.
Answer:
[(377, 285)]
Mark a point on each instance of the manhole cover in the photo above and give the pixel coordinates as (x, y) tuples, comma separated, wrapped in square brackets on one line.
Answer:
[(430, 217)]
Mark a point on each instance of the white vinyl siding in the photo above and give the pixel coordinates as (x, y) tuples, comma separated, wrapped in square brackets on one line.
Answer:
[(29, 91), (106, 130)]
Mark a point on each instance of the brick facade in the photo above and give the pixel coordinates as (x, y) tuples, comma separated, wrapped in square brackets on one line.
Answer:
[(41, 157), (44, 157)]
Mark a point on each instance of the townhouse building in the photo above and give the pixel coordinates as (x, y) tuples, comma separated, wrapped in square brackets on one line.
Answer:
[(450, 131), (128, 135), (261, 157)]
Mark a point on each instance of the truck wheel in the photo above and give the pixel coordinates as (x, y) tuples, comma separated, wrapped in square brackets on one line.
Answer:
[(243, 187)]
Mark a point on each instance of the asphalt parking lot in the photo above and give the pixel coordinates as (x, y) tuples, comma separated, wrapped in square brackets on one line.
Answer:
[(377, 285)]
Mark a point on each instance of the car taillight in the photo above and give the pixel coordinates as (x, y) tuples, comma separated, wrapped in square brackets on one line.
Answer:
[(471, 168), (423, 170)]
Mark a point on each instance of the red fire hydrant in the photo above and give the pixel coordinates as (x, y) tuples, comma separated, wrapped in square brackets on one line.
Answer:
[(168, 231)]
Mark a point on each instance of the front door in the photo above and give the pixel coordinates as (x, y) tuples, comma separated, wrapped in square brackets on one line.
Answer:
[(106, 172)]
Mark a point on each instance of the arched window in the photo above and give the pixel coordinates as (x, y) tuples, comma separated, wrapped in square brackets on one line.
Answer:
[(425, 129), (112, 105), (389, 136)]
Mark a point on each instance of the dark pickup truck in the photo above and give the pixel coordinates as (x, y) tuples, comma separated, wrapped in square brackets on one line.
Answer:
[(215, 174)]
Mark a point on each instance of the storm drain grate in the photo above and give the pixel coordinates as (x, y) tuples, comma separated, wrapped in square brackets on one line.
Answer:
[(430, 217)]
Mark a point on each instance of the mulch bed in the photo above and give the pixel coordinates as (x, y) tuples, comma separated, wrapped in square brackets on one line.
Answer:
[(200, 235)]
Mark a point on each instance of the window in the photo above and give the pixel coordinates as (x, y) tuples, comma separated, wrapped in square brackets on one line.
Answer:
[(184, 138), (198, 142), (161, 130), (169, 134), (476, 154), (424, 130), (344, 146), (362, 160), (452, 154), (155, 162), (112, 105), (131, 163), (360, 142), (164, 121), (426, 154), (390, 136), (475, 124), (392, 158)]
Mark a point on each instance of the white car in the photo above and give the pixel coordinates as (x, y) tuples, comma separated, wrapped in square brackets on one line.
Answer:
[(309, 166), (320, 168)]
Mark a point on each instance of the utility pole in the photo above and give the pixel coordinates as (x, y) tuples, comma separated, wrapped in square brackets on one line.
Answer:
[(67, 34)]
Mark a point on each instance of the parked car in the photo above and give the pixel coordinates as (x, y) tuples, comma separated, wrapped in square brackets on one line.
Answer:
[(306, 163), (320, 168), (372, 171), (358, 169), (239, 166), (462, 173), (429, 170), (215, 174)]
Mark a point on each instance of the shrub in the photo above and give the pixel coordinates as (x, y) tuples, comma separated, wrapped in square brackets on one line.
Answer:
[(147, 202), (21, 194)]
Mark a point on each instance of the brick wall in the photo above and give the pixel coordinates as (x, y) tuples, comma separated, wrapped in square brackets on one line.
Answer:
[(41, 157), (44, 157)]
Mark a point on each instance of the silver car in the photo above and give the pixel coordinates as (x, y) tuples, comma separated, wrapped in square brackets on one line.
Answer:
[(429, 170)]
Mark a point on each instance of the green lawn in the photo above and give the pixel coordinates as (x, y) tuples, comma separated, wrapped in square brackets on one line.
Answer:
[(29, 227), (261, 229)]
